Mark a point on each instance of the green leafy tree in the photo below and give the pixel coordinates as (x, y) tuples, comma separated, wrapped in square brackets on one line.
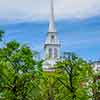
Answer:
[(50, 87), (19, 72), (75, 76), (22, 77), (1, 34), (96, 85)]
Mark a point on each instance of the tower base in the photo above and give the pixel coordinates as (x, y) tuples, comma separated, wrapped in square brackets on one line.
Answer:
[(49, 65)]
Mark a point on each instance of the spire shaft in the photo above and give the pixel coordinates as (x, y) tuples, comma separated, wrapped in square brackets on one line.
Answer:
[(52, 19)]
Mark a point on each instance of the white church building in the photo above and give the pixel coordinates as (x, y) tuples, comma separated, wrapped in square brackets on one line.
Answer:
[(52, 44)]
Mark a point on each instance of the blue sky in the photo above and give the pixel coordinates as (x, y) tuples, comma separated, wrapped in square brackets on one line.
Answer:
[(77, 23)]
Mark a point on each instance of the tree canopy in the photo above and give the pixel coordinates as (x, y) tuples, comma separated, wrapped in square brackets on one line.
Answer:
[(22, 76)]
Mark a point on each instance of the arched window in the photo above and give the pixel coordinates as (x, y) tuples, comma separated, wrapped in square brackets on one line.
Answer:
[(50, 52), (55, 53), (52, 38)]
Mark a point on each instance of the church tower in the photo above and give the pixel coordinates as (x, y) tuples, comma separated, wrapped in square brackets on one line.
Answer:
[(52, 44)]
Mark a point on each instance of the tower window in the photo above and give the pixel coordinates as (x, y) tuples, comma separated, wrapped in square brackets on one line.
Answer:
[(50, 52), (52, 37), (55, 53)]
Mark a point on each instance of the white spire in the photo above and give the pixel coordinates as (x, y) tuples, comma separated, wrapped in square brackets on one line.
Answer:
[(52, 20)]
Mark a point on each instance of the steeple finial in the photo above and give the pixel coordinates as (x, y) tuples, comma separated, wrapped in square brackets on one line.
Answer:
[(52, 20)]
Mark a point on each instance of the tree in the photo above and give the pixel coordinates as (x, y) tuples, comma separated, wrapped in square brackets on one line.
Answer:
[(22, 77), (96, 85), (75, 77), (1, 34), (18, 72), (49, 86)]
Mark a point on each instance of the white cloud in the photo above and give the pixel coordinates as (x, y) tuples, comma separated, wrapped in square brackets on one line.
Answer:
[(39, 9)]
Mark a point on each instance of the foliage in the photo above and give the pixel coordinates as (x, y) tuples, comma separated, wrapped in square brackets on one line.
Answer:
[(18, 72), (22, 77), (1, 34), (96, 85), (75, 77)]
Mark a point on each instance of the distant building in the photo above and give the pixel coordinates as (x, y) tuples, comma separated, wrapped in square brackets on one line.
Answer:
[(52, 44), (96, 65)]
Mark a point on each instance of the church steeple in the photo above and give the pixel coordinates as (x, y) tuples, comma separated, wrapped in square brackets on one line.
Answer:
[(52, 44), (52, 19)]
